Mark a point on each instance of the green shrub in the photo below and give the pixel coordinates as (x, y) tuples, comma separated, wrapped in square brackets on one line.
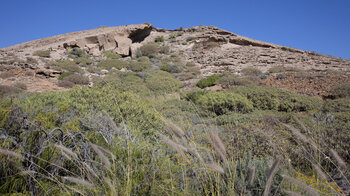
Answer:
[(188, 39), (337, 105), (76, 52), (111, 55), (159, 39), (341, 90), (83, 61), (279, 69), (208, 81), (139, 66), (228, 80), (162, 82), (251, 71), (149, 49), (77, 79), (67, 65), (265, 98), (223, 102), (171, 68), (42, 53), (112, 63), (164, 50), (65, 74)]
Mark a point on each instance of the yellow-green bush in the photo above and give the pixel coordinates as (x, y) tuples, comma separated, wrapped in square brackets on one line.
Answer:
[(223, 102), (162, 82), (208, 81)]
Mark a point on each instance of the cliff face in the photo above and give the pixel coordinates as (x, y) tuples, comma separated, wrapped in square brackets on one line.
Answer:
[(212, 49)]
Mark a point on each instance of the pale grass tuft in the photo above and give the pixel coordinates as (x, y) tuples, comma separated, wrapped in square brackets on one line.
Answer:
[(215, 167), (291, 193), (273, 170), (301, 136), (219, 148), (320, 173), (339, 160), (175, 129), (251, 175), (302, 185), (10, 153), (100, 154), (300, 123), (78, 181), (67, 151), (179, 148), (27, 173)]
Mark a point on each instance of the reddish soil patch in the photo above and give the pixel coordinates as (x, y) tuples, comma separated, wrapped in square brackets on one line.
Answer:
[(305, 83)]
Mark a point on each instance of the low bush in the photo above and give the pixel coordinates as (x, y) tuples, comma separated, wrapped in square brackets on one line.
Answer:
[(67, 65), (111, 55), (138, 66), (76, 52), (8, 90), (112, 63), (337, 105), (228, 80), (208, 81), (266, 98), (159, 39), (83, 61), (65, 84), (162, 82), (77, 79), (164, 50), (31, 60), (188, 39), (279, 69), (8, 74), (341, 90), (64, 75), (20, 85), (251, 71), (42, 53), (224, 102), (171, 68), (149, 49), (190, 64)]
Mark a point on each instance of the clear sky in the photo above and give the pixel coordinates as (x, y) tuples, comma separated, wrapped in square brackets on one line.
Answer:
[(314, 25)]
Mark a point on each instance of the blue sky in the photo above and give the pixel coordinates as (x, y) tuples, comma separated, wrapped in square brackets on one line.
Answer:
[(315, 25)]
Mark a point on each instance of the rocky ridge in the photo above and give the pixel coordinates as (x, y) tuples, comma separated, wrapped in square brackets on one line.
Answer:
[(212, 49)]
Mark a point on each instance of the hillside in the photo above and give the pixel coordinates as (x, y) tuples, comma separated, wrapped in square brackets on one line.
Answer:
[(138, 110)]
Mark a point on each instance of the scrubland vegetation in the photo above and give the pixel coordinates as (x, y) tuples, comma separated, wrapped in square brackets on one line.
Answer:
[(138, 132)]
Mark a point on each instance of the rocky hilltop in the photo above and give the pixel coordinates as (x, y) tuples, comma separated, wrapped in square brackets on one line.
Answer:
[(212, 49)]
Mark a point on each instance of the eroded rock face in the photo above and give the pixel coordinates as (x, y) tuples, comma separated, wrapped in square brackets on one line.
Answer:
[(119, 40)]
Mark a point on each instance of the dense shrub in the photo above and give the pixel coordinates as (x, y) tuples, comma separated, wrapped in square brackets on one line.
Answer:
[(162, 82), (42, 53), (279, 69), (67, 65), (76, 52), (159, 39), (139, 66), (77, 79), (8, 90), (112, 63), (65, 74), (337, 105), (265, 98), (228, 80), (171, 68), (208, 81), (188, 39), (83, 61), (149, 49), (341, 90), (65, 84), (164, 50), (223, 102), (111, 55), (251, 71)]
